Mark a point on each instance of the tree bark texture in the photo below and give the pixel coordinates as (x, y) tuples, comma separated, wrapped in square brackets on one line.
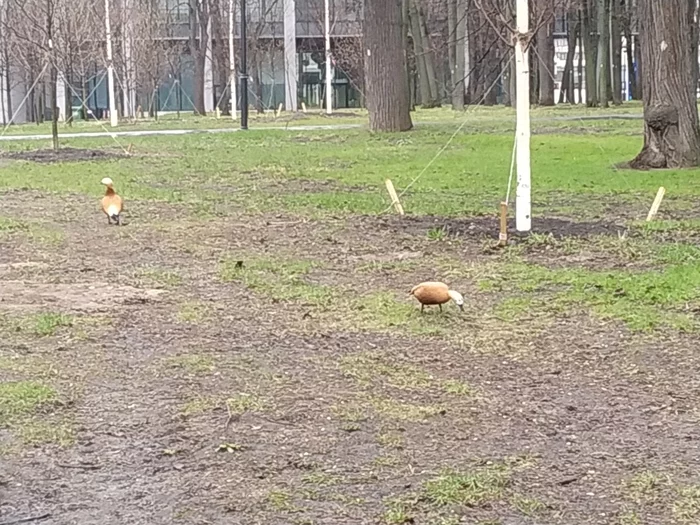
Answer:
[(616, 51), (671, 132), (457, 55), (566, 94), (590, 47), (603, 62), (638, 68), (429, 94), (387, 92), (198, 39), (545, 50)]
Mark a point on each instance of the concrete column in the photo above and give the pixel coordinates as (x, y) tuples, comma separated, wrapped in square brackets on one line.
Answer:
[(290, 55)]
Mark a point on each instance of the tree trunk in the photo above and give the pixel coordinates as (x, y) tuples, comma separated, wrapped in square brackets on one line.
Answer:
[(405, 23), (629, 48), (534, 79), (8, 84), (197, 44), (424, 58), (694, 41), (545, 50), (387, 94), (579, 67), (458, 70), (616, 51), (671, 131), (54, 107), (566, 94), (590, 46), (638, 69), (603, 51), (419, 53)]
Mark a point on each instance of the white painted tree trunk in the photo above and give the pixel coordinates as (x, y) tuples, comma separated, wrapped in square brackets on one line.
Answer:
[(467, 62), (231, 59), (522, 196), (329, 70), (290, 55), (113, 116), (61, 94), (209, 70)]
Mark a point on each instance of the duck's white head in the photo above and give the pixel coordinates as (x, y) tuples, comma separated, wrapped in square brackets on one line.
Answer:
[(457, 298), (107, 182)]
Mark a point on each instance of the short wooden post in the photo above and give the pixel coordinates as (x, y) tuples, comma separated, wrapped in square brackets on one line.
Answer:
[(656, 204), (394, 197), (503, 233)]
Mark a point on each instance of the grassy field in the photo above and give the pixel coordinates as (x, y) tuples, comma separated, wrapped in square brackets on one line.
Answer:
[(244, 349)]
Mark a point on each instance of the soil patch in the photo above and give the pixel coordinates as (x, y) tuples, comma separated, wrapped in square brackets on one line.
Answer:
[(487, 227), (49, 156), (79, 297)]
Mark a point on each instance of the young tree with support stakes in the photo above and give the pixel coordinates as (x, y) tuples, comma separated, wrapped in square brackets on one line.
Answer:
[(33, 24), (387, 90), (671, 130)]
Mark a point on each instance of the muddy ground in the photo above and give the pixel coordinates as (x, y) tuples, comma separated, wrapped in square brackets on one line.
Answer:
[(185, 398)]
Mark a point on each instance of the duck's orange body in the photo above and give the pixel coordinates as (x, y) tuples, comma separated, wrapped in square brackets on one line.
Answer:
[(112, 204), (435, 293)]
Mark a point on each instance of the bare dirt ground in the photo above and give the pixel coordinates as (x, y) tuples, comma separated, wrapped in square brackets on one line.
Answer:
[(185, 397)]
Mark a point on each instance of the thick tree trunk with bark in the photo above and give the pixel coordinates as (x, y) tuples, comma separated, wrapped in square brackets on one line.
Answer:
[(198, 39), (566, 94), (405, 32), (694, 41), (590, 47), (603, 52), (385, 74), (545, 50), (671, 131)]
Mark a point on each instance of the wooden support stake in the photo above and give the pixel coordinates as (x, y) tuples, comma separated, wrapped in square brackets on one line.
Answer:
[(279, 110), (657, 203), (503, 234), (394, 197), (217, 112), (303, 107)]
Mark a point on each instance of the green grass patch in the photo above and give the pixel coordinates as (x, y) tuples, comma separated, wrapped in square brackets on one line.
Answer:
[(198, 405), (160, 277), (384, 311), (192, 312), (645, 487), (279, 279), (473, 488), (192, 363), (686, 507), (49, 323), (644, 300), (367, 367), (243, 402), (22, 398), (36, 232), (403, 411)]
